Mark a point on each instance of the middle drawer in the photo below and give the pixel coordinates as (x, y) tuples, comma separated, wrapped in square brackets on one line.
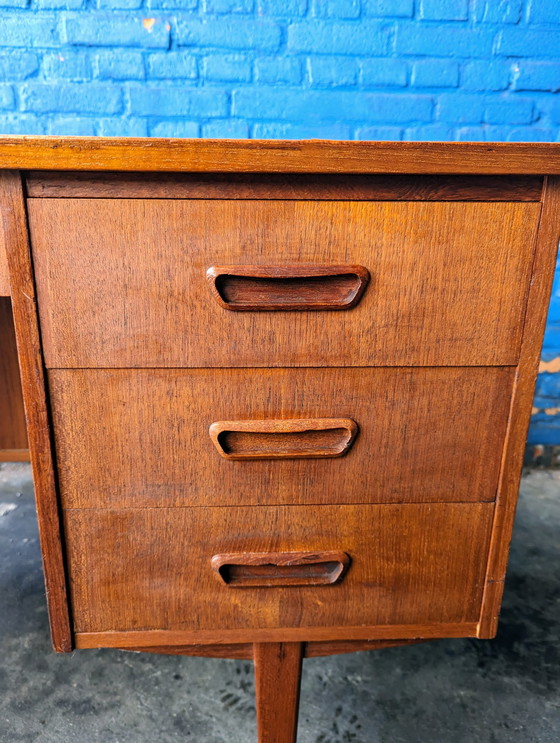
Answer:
[(143, 436)]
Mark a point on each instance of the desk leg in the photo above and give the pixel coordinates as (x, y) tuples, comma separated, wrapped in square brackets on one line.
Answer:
[(277, 683)]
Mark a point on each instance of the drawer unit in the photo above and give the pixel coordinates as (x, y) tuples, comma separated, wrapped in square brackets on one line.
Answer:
[(142, 435), (151, 569), (123, 282), (278, 397)]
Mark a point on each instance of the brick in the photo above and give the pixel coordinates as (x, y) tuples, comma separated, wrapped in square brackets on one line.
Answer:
[(542, 434), (461, 108), (72, 126), (71, 98), (226, 129), (378, 133), (544, 11), (171, 4), (93, 29), (435, 73), (548, 385), (550, 107), (323, 37), (7, 99), (122, 66), (531, 134), (283, 9), (326, 105), (552, 340), (123, 127), (177, 101), (22, 124), (470, 134), (228, 6), (384, 72), (522, 42), (485, 75), (496, 11), (301, 131), (388, 8), (335, 8), (172, 65), (278, 70), (39, 30), (217, 33), (509, 112), (429, 133), (537, 76), (444, 10), (119, 4), (59, 4), (18, 65), (66, 65), (443, 40), (332, 72), (226, 67), (175, 128)]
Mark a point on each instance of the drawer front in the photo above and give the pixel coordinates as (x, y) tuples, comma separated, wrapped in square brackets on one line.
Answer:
[(123, 283), (141, 438), (152, 568)]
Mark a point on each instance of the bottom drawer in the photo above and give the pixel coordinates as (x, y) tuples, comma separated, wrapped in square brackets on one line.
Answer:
[(411, 566)]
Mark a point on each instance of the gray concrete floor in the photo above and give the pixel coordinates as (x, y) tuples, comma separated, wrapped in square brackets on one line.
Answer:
[(447, 691)]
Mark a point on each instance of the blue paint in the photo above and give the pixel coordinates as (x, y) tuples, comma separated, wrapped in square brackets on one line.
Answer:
[(466, 70)]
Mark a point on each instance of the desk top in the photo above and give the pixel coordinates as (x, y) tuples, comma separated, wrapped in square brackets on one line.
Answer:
[(276, 156)]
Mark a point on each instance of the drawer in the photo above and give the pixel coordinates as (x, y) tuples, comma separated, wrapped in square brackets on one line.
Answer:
[(141, 438), (123, 282), (156, 568)]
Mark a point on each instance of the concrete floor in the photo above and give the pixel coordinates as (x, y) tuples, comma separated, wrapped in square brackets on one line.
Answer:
[(448, 691)]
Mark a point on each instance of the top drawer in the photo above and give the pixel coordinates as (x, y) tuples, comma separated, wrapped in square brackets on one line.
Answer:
[(122, 282)]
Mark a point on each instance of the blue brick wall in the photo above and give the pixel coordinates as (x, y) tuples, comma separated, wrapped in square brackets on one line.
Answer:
[(485, 70)]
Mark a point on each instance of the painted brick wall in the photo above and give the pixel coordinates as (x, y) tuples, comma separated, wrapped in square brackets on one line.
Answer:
[(350, 69)]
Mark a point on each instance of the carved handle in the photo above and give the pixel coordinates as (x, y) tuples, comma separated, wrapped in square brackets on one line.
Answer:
[(302, 287), (284, 439), (267, 569)]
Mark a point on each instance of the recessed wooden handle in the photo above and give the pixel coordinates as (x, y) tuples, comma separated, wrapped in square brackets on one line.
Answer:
[(302, 287), (308, 438), (267, 569)]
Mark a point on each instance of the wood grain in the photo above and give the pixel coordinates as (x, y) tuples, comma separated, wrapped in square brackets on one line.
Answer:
[(277, 684), (314, 438), (287, 156), (131, 639), (49, 184), (140, 437), (411, 565), (13, 434), (5, 289), (31, 366), (244, 651), (287, 288), (535, 322), (122, 283)]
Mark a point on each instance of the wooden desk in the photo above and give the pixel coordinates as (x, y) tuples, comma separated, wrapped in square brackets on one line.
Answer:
[(277, 392)]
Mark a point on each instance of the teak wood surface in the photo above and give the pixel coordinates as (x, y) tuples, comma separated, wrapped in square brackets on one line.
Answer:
[(140, 437), (436, 365), (448, 282), (267, 156), (411, 565)]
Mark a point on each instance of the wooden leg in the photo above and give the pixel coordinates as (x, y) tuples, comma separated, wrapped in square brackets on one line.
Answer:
[(277, 682)]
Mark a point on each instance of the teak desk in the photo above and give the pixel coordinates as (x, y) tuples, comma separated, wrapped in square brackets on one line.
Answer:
[(277, 393)]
